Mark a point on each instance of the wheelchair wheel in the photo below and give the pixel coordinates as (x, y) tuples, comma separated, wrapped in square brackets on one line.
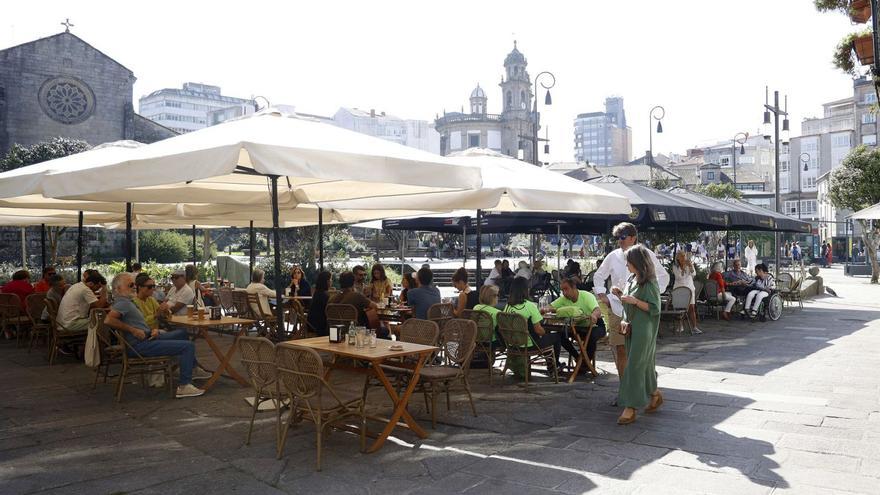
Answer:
[(774, 306)]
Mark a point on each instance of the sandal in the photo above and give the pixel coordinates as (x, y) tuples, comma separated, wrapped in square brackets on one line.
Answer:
[(656, 402), (623, 420)]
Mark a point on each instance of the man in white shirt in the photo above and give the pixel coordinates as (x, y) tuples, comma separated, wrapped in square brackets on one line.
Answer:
[(264, 293), (494, 275), (80, 298), (614, 267), (524, 271), (751, 255), (179, 297)]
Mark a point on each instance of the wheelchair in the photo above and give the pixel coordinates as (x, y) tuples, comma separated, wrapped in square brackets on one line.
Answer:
[(770, 308)]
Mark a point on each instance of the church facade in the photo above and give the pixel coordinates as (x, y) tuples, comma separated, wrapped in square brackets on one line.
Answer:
[(62, 86), (512, 132)]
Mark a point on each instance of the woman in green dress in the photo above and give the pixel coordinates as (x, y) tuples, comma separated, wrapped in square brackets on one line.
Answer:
[(638, 385)]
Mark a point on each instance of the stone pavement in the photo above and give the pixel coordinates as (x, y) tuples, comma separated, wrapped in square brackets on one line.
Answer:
[(784, 407)]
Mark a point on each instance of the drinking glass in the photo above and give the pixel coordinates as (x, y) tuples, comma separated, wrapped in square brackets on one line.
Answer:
[(373, 339)]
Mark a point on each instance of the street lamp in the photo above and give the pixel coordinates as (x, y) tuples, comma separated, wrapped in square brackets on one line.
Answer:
[(657, 113), (742, 150), (776, 111), (547, 101), (806, 162)]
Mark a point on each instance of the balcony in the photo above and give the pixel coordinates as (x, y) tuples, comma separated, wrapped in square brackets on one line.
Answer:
[(466, 117)]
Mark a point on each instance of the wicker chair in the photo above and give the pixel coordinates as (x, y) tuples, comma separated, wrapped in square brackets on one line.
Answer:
[(226, 301), (36, 303), (301, 381), (266, 323), (296, 319), (680, 301), (485, 339), (440, 313), (458, 342), (514, 329), (111, 352), (59, 334), (712, 301), (258, 358), (783, 284), (11, 315), (792, 293), (341, 314), (133, 363)]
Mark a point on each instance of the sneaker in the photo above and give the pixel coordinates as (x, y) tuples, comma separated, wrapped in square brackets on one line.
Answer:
[(697, 331), (188, 390), (200, 373)]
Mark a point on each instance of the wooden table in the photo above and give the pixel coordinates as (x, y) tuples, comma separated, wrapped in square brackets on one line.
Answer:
[(376, 357), (202, 327), (552, 320), (395, 314)]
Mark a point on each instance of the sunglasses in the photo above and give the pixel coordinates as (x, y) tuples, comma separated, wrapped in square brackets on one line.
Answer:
[(622, 237)]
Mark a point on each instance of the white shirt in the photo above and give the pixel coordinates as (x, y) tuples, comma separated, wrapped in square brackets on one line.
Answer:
[(614, 267), (683, 278), (76, 303), (494, 275), (751, 253), (264, 294), (183, 295), (524, 272)]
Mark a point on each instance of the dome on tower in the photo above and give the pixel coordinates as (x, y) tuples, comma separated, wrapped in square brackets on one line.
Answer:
[(514, 57), (478, 92)]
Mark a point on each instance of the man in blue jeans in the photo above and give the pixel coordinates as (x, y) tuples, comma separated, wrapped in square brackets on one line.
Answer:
[(126, 317)]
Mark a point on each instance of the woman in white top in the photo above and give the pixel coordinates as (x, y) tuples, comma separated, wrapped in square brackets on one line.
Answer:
[(264, 293), (683, 269)]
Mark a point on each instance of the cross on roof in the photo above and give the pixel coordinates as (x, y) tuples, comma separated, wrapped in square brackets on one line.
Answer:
[(67, 25)]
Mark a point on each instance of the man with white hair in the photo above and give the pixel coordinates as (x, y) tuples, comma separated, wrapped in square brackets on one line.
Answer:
[(146, 341)]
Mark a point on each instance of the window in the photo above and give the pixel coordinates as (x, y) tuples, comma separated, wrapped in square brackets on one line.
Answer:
[(869, 118), (841, 140), (473, 140), (808, 182), (509, 99), (791, 207), (869, 98), (869, 139), (710, 175), (725, 161), (808, 207)]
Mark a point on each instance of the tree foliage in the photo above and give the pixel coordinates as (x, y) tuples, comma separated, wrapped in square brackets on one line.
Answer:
[(855, 185), (721, 191), (166, 246), (57, 147)]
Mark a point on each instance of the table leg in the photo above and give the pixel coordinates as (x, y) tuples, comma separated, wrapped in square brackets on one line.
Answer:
[(583, 357), (400, 403), (224, 360)]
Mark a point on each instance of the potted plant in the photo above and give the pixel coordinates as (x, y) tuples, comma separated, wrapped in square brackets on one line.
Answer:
[(863, 44), (843, 55), (860, 11)]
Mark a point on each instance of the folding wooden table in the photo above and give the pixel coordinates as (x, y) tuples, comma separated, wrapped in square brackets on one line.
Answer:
[(202, 327), (377, 356), (551, 321)]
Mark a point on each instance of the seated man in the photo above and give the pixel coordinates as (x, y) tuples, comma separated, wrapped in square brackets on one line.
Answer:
[(146, 341), (426, 294), (42, 285), (258, 287), (20, 285), (587, 303), (349, 295), (80, 298), (524, 271), (495, 275), (57, 288), (759, 290), (179, 296), (737, 280)]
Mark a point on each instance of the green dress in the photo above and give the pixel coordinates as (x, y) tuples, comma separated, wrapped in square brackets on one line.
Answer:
[(640, 377)]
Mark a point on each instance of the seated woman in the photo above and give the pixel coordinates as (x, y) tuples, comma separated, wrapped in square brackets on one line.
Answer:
[(407, 282), (467, 298), (299, 286), (264, 293), (518, 302), (488, 303), (317, 310), (723, 295), (205, 293), (759, 290), (380, 286), (144, 300)]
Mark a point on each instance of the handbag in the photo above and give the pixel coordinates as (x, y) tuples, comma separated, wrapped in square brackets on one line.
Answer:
[(92, 354)]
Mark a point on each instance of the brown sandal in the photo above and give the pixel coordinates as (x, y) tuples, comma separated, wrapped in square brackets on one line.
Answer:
[(656, 402), (622, 420)]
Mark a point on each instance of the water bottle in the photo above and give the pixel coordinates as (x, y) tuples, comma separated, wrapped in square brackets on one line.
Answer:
[(352, 333)]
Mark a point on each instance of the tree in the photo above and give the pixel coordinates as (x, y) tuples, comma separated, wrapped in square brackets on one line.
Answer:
[(855, 185), (720, 191), (164, 246), (22, 156)]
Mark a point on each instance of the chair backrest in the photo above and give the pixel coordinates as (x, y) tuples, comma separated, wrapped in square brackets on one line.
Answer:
[(258, 358), (416, 331), (225, 294), (485, 324), (458, 342), (10, 305), (441, 313), (36, 303), (300, 371), (796, 286), (256, 309), (96, 321), (514, 329), (52, 310), (784, 281), (681, 298), (698, 288), (240, 302), (341, 314), (8, 299), (711, 290)]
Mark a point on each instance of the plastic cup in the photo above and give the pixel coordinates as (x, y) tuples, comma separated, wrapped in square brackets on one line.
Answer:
[(189, 310), (201, 312)]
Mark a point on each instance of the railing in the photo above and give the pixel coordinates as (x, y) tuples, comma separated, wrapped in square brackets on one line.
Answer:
[(448, 119)]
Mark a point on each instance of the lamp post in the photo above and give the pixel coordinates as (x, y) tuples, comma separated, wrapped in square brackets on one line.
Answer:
[(657, 113), (547, 101), (806, 162), (776, 111), (742, 150)]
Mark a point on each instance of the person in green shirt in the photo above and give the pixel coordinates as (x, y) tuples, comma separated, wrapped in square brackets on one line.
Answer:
[(518, 302), (145, 302), (587, 303), (641, 322), (488, 300)]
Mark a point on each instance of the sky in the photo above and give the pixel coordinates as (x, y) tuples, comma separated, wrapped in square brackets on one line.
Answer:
[(705, 61)]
